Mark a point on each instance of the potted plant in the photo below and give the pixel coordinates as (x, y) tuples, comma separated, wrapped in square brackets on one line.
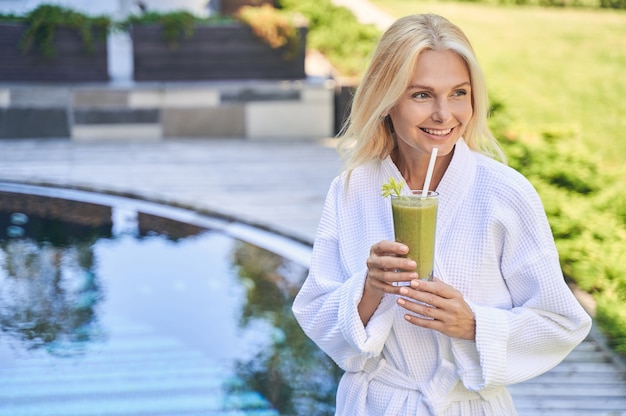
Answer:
[(54, 43), (260, 43)]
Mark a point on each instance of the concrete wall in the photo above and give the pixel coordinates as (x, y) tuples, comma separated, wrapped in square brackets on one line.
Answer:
[(294, 110)]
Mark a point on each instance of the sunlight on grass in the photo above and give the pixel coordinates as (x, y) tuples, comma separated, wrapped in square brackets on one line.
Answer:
[(561, 69)]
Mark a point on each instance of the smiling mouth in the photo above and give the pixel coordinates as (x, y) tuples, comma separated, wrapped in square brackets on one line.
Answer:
[(437, 132)]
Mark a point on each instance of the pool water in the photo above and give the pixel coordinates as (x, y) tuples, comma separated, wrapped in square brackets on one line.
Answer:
[(110, 310)]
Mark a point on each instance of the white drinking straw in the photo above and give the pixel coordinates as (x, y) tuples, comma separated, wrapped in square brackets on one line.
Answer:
[(429, 172)]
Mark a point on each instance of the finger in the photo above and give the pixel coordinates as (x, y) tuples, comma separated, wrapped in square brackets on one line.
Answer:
[(386, 281), (465, 329), (426, 323), (421, 314), (389, 247), (391, 276), (391, 264), (396, 276), (436, 287), (428, 298)]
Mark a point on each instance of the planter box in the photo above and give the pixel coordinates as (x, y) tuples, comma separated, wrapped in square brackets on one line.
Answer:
[(219, 52), (72, 63)]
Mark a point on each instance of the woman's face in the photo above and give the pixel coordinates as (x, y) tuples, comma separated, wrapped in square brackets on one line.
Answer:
[(436, 106)]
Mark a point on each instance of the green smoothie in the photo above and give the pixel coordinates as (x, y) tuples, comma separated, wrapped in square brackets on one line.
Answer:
[(414, 221)]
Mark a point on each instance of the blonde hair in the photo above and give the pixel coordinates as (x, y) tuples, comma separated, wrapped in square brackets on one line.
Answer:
[(367, 134)]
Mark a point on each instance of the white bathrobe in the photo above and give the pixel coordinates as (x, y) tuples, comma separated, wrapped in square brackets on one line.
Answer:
[(493, 244)]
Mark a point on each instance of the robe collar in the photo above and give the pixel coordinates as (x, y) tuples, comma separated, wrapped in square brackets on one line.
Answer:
[(456, 184)]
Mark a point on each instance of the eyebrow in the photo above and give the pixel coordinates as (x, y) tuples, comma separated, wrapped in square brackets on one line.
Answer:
[(424, 87)]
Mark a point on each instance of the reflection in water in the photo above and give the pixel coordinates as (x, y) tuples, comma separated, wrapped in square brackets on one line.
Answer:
[(292, 372), (49, 291), (49, 295), (92, 295)]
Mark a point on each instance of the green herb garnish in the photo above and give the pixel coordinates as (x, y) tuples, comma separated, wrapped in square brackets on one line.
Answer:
[(393, 186)]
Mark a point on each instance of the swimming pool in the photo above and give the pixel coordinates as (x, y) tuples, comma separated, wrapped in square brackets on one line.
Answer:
[(114, 306)]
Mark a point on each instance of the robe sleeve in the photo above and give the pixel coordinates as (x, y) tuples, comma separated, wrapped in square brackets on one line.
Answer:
[(545, 322), (326, 306)]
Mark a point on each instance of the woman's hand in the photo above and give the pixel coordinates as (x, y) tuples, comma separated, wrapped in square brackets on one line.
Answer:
[(442, 308), (384, 268)]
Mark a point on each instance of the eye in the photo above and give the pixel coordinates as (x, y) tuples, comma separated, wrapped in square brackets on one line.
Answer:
[(422, 95), (460, 93)]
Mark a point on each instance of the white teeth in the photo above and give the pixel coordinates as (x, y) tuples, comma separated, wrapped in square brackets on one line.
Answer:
[(438, 132)]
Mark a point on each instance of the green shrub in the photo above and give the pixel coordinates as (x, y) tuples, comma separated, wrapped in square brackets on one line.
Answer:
[(606, 4), (611, 314), (337, 34), (44, 20), (177, 25), (586, 207), (613, 4), (554, 3)]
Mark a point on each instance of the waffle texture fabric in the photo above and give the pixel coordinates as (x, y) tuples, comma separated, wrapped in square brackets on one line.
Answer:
[(494, 244)]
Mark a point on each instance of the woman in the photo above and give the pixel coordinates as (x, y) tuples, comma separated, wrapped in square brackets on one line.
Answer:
[(499, 311)]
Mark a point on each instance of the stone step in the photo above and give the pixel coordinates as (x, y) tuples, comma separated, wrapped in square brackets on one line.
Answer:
[(131, 384), (135, 372), (251, 404), (193, 369)]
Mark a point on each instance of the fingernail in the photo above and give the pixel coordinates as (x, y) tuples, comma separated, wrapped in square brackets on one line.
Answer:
[(411, 265), (415, 283), (401, 301), (404, 291)]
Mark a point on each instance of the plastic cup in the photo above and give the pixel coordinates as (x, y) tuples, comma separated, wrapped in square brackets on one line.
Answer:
[(414, 223)]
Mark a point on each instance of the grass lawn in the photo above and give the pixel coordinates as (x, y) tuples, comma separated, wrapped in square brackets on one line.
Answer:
[(562, 69)]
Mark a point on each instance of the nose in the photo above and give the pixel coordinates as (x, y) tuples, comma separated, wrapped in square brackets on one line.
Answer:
[(441, 110)]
